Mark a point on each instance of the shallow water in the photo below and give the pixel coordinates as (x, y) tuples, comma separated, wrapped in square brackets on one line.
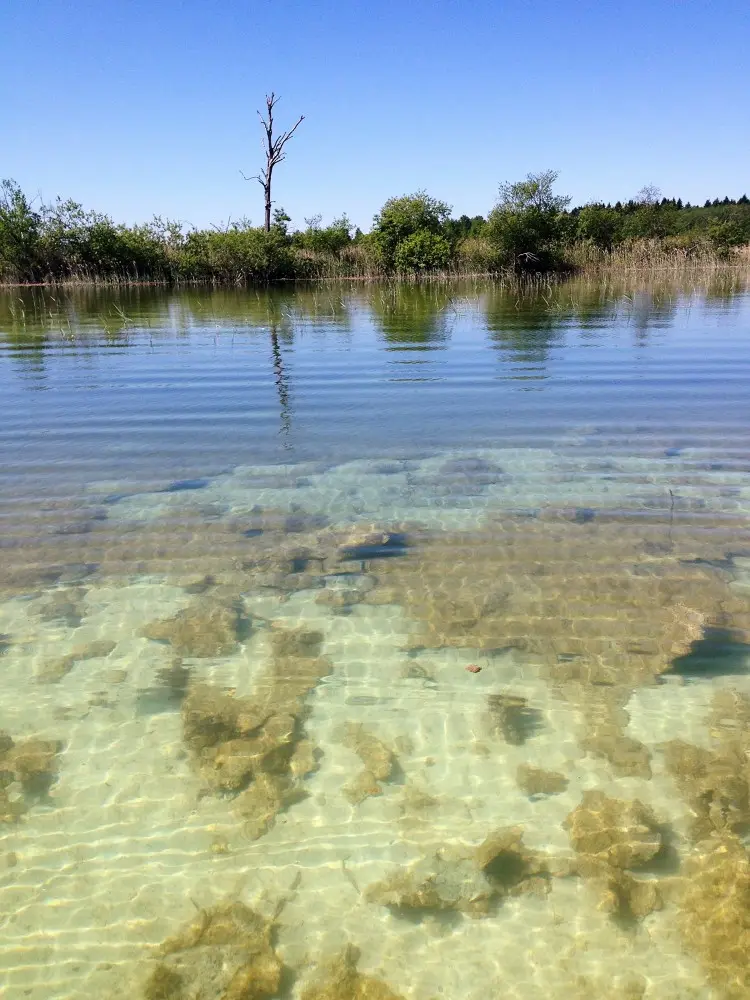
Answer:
[(252, 544)]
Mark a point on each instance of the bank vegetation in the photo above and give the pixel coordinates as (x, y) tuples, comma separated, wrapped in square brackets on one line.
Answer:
[(531, 229)]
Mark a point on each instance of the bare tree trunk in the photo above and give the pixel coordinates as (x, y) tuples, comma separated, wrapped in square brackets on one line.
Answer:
[(274, 152)]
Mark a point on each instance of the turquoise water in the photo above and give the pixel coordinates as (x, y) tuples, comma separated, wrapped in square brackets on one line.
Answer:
[(394, 638)]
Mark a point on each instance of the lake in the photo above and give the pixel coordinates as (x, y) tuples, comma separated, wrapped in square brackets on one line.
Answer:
[(376, 641)]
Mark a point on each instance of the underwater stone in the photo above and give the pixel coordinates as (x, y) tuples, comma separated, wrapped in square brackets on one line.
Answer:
[(465, 880), (509, 866), (536, 781), (163, 984), (715, 912), (33, 763), (626, 897), (627, 756), (225, 954), (254, 747), (714, 783), (339, 980), (449, 880), (365, 541), (54, 670), (379, 762), (184, 485), (206, 628), (65, 605), (605, 720), (612, 832), (597, 604), (513, 718), (268, 795)]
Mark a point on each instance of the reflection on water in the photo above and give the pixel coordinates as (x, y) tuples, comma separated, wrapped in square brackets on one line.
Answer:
[(338, 664)]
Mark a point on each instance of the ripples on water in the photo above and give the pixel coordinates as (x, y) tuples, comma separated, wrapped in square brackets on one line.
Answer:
[(375, 643)]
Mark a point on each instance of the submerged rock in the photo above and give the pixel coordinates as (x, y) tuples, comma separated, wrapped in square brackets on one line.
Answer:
[(596, 604), (715, 913), (465, 880), (612, 836), (205, 628), (66, 605), (613, 833), (340, 980), (225, 954), (33, 765), (449, 880), (379, 763), (626, 897), (537, 781), (714, 783), (605, 721), (54, 670), (513, 718), (510, 866), (254, 748)]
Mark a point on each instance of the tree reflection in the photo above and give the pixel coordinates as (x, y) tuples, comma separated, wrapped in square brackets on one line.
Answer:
[(523, 327), (412, 317)]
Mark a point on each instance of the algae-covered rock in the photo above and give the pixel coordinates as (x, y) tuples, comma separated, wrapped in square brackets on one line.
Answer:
[(715, 913), (366, 541), (608, 604), (268, 795), (379, 762), (340, 980), (465, 880), (509, 865), (612, 836), (205, 628), (536, 781), (626, 897), (512, 717), (55, 669), (33, 764), (612, 832), (164, 984), (605, 721), (714, 783), (66, 605), (225, 954), (255, 748), (627, 756), (449, 880)]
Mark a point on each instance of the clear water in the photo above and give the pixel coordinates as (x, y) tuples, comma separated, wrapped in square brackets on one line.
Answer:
[(251, 544)]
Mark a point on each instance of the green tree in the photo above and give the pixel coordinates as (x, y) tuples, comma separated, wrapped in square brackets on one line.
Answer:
[(19, 234), (401, 218), (324, 239), (599, 225), (526, 224), (422, 251)]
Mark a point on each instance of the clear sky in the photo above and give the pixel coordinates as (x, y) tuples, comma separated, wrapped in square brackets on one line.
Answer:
[(143, 107)]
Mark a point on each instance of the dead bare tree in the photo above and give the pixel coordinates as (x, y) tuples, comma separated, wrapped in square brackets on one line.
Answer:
[(274, 150)]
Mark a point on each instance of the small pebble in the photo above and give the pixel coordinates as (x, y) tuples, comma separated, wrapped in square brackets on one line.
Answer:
[(473, 668)]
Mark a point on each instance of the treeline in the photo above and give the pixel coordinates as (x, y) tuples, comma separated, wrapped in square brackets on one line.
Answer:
[(531, 228)]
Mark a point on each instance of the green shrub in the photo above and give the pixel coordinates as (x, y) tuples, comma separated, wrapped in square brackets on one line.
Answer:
[(241, 253), (401, 218), (422, 251), (526, 227)]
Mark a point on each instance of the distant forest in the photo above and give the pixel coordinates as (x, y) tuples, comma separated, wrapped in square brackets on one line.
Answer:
[(531, 228)]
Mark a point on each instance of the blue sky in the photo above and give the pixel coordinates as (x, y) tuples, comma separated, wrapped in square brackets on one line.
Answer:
[(140, 108)]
